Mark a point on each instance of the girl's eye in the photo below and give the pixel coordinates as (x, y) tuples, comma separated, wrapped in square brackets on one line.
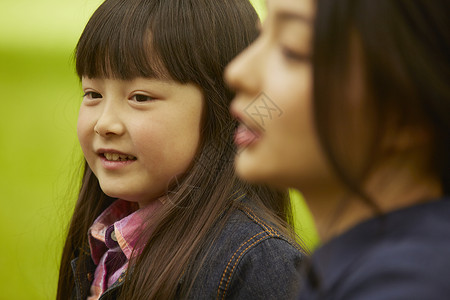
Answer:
[(141, 98), (92, 95)]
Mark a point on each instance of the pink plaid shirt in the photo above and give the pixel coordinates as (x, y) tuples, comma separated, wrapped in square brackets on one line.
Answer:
[(112, 239)]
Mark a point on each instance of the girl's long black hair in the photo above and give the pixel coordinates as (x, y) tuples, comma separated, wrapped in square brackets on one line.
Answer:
[(189, 41)]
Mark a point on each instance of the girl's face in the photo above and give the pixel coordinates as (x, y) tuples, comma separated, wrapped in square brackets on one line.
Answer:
[(138, 135), (273, 81)]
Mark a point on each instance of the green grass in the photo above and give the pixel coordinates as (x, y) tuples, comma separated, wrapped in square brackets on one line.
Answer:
[(38, 146), (39, 153)]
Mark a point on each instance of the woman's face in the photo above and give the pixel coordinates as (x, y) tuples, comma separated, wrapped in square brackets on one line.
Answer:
[(273, 80)]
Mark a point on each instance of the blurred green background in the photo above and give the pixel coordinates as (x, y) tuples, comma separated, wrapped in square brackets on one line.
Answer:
[(39, 152)]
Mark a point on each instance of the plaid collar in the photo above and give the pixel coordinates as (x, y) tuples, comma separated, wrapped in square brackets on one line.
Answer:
[(119, 225)]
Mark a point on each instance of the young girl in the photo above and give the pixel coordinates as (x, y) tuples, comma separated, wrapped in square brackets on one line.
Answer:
[(156, 134), (362, 128)]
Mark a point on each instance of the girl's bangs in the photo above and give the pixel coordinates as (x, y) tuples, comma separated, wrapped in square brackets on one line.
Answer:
[(117, 43)]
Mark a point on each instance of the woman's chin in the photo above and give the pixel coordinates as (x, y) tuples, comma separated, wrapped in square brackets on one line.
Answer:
[(256, 172)]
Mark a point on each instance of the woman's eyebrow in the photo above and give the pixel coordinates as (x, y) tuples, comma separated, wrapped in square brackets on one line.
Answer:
[(286, 16)]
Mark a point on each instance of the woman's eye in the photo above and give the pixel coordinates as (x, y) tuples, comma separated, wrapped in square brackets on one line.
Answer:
[(92, 95), (295, 56), (141, 98)]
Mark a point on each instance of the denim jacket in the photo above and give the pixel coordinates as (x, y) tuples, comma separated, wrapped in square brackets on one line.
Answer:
[(250, 259)]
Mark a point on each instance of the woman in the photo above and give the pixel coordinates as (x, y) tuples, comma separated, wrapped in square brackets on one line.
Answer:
[(354, 112)]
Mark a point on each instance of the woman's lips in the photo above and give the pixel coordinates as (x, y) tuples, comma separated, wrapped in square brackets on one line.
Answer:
[(244, 136)]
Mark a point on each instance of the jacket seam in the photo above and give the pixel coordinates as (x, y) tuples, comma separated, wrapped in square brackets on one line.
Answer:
[(237, 261), (250, 213), (269, 232)]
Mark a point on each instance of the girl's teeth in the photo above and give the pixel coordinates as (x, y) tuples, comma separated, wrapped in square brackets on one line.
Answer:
[(118, 157)]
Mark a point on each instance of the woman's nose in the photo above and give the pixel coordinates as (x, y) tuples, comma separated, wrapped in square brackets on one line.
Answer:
[(243, 73)]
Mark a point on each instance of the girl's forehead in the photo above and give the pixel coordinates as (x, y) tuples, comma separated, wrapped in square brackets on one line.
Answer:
[(108, 61), (137, 81)]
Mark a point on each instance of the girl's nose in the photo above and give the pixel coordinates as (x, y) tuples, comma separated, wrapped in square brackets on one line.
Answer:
[(109, 123)]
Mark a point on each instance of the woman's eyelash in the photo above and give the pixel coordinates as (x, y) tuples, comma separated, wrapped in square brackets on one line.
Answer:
[(294, 55)]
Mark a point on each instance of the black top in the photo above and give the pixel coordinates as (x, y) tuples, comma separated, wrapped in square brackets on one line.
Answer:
[(403, 255)]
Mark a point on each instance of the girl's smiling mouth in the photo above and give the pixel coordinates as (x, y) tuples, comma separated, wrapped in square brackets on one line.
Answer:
[(118, 157), (113, 159)]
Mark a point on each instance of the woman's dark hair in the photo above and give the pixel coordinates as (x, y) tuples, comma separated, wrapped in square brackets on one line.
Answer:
[(188, 41), (405, 48)]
